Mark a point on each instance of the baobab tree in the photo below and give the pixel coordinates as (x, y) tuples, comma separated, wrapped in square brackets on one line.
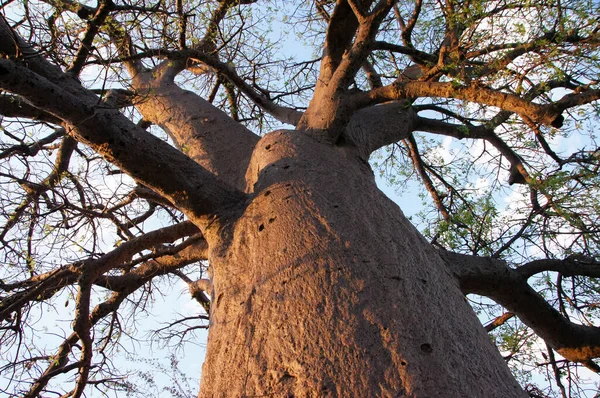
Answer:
[(147, 141)]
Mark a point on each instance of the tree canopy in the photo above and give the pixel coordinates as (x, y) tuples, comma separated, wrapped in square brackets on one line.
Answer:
[(500, 99)]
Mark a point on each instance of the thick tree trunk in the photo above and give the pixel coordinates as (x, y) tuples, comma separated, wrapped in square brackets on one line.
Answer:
[(323, 288)]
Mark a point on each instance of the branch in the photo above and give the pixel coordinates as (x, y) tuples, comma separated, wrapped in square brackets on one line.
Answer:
[(44, 286), (198, 289), (415, 54), (353, 59), (377, 126), (329, 111), (34, 191), (499, 321), (373, 77), (86, 43), (281, 113), (418, 164), (14, 106), (494, 279), (408, 27), (517, 49), (148, 159), (33, 148), (570, 266), (486, 132), (340, 31), (544, 114), (191, 251), (60, 363), (14, 47), (208, 44), (576, 99)]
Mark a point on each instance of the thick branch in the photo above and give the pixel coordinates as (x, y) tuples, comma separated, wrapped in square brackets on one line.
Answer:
[(544, 114), (329, 112), (340, 31), (14, 47), (14, 106), (357, 54), (203, 132), (149, 160), (570, 266), (377, 126), (494, 279)]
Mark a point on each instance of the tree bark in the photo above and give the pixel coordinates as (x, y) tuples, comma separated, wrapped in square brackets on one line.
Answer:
[(199, 129), (323, 288)]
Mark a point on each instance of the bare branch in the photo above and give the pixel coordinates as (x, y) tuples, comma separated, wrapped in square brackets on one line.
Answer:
[(179, 176), (14, 106), (374, 127), (281, 113), (570, 266), (544, 114), (499, 321), (86, 43), (44, 286), (418, 163), (494, 279)]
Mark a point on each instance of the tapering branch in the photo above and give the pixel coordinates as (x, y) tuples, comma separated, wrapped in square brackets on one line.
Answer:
[(34, 191), (281, 113), (14, 106), (570, 266), (86, 43), (33, 148), (544, 114), (193, 189), (44, 286), (406, 50), (408, 27), (418, 164), (499, 321), (494, 279)]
